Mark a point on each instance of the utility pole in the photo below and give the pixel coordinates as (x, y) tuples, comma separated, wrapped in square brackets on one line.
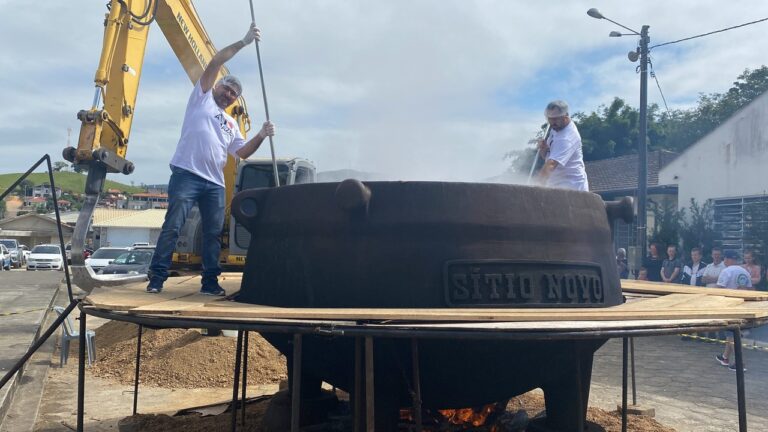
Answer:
[(642, 146)]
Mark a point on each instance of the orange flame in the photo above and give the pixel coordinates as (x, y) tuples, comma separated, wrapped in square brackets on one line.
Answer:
[(468, 416)]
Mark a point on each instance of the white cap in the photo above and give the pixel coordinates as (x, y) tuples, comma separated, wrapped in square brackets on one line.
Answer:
[(556, 108)]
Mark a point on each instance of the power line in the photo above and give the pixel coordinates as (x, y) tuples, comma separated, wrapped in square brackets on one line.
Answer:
[(653, 75), (709, 33)]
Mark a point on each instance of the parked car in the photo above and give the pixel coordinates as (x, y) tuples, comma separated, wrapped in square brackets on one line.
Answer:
[(25, 252), (45, 257), (134, 262), (5, 258), (68, 251), (17, 255), (104, 256)]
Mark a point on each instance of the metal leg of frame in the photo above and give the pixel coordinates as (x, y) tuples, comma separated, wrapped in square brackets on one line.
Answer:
[(416, 384), (296, 384), (357, 409), (136, 375), (742, 400), (369, 386), (245, 377), (81, 374), (624, 355), (236, 380), (632, 360)]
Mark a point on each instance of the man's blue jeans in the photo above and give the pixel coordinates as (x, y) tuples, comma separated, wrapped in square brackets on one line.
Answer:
[(184, 191)]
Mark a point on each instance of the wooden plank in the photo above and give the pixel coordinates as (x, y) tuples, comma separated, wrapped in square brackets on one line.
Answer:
[(666, 288), (134, 295), (512, 315), (683, 302)]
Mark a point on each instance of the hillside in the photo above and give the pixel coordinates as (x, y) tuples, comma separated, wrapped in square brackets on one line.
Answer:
[(68, 182)]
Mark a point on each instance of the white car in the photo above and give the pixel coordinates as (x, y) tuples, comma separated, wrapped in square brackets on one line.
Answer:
[(45, 257), (104, 257)]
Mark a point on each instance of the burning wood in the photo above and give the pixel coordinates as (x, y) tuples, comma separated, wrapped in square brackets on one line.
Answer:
[(454, 419)]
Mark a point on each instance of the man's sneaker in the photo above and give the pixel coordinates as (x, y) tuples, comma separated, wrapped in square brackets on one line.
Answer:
[(722, 360), (733, 368), (154, 289), (213, 291)]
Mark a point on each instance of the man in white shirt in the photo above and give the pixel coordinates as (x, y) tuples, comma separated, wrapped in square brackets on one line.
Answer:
[(733, 276), (208, 135), (561, 151), (712, 271)]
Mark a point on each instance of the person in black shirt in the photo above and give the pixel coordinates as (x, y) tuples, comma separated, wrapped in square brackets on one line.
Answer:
[(653, 263)]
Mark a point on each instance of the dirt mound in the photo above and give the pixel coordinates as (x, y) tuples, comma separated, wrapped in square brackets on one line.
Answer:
[(533, 404), (179, 358)]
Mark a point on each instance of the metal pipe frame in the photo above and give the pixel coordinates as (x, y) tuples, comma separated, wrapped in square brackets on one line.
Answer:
[(416, 384), (136, 375), (245, 377), (632, 365), (81, 373), (296, 384), (624, 355), (236, 379), (369, 333)]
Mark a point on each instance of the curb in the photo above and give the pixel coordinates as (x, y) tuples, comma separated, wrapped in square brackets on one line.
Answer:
[(747, 343), (13, 384)]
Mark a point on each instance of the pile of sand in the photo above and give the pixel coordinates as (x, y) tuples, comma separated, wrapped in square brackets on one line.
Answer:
[(533, 404), (179, 358)]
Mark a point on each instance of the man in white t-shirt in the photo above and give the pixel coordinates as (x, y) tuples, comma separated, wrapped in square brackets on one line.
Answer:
[(733, 276), (712, 271), (208, 135), (561, 151)]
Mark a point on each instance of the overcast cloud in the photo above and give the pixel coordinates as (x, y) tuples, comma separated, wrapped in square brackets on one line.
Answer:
[(416, 89)]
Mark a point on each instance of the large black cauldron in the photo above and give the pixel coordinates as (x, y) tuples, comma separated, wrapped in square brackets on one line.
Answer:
[(430, 244)]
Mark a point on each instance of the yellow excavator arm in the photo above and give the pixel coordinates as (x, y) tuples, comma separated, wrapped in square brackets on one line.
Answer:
[(106, 126)]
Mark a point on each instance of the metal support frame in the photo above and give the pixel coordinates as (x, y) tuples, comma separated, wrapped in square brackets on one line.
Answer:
[(136, 375), (632, 365), (624, 355), (364, 338), (357, 392), (740, 393), (236, 379), (296, 384), (370, 420), (416, 384), (81, 373), (245, 378)]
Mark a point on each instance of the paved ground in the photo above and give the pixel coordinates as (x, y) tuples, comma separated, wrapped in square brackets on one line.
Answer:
[(682, 381), (24, 300)]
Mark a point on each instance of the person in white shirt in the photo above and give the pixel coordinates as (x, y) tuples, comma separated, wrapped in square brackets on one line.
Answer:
[(561, 151), (733, 276), (208, 135), (712, 271)]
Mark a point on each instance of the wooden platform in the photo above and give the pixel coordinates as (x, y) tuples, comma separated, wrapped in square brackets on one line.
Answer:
[(646, 301)]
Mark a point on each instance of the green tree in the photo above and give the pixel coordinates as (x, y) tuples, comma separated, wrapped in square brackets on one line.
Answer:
[(696, 228), (667, 226), (60, 166)]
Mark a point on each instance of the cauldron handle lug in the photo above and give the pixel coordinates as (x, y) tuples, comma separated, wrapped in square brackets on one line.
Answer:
[(622, 209), (353, 196)]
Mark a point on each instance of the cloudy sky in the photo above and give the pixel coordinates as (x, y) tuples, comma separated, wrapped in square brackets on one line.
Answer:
[(411, 89)]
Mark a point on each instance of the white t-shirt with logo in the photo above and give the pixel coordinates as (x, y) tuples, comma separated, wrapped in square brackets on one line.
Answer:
[(565, 149), (207, 135), (734, 277), (713, 270)]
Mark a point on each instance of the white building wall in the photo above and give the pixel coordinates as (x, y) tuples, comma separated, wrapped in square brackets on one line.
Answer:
[(121, 237), (731, 161)]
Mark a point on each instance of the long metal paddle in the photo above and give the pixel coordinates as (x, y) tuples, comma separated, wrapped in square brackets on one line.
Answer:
[(266, 105), (536, 156)]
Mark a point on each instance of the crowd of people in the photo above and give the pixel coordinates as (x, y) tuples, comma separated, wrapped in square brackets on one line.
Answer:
[(671, 268), (726, 270)]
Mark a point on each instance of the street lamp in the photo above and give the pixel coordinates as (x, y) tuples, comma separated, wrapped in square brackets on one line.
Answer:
[(640, 53)]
